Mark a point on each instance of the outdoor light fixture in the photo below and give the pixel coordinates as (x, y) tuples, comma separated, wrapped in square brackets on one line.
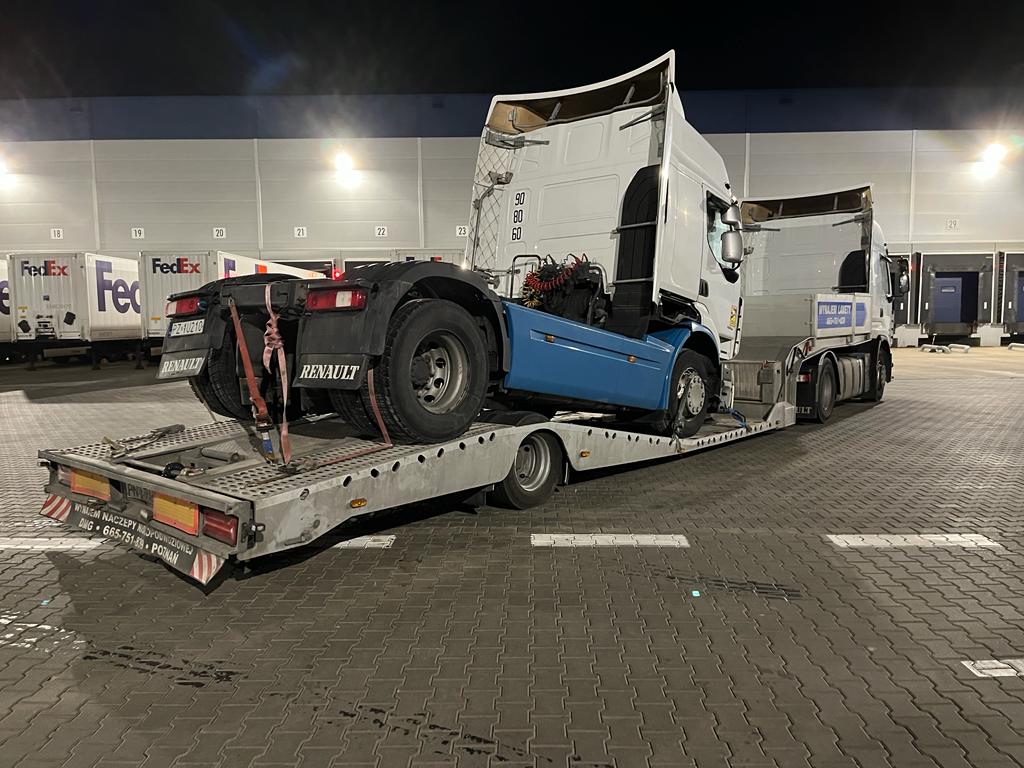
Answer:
[(345, 170), (993, 155)]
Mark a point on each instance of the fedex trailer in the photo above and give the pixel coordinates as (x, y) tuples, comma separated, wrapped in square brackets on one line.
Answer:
[(6, 327), (63, 301), (164, 273)]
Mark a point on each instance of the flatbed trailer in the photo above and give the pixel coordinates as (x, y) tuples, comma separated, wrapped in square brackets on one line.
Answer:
[(120, 489)]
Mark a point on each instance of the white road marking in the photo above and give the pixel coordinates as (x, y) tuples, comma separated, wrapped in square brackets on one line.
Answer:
[(916, 540), (608, 540), (44, 544), (366, 542), (996, 667)]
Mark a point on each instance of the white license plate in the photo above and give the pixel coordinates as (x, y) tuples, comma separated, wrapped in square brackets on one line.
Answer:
[(187, 327)]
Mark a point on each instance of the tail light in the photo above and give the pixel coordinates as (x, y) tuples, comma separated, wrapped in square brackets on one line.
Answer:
[(337, 274), (336, 298), (187, 306), (221, 527)]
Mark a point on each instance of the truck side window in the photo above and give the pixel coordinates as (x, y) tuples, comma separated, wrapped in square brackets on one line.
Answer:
[(715, 207)]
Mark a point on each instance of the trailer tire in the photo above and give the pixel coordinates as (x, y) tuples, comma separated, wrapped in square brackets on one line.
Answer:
[(534, 474), (825, 391), (431, 380)]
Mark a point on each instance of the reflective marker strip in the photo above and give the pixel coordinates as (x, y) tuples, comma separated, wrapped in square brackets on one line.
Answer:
[(46, 544), (919, 540), (366, 542), (608, 540), (996, 667)]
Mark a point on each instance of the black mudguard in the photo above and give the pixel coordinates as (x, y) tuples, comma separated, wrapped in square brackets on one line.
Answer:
[(336, 347)]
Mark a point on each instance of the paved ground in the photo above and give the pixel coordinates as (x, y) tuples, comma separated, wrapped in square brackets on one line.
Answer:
[(762, 643)]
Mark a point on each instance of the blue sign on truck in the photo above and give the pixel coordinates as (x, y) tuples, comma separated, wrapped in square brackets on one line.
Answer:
[(835, 314)]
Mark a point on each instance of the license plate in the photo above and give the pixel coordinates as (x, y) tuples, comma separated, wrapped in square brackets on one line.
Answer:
[(177, 513), (138, 493), (180, 555), (187, 327), (88, 484)]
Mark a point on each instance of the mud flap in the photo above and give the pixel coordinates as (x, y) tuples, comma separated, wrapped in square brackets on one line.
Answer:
[(180, 555), (182, 365)]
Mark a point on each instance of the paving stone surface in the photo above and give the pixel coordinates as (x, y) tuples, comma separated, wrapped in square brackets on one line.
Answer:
[(462, 643)]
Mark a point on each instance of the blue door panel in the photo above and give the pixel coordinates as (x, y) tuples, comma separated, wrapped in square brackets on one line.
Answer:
[(586, 363), (946, 298)]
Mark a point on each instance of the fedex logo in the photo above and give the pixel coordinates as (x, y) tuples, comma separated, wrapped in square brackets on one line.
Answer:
[(122, 295), (50, 268), (5, 298), (180, 266)]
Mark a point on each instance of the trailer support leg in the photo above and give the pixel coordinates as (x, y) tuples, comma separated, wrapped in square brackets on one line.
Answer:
[(139, 362), (94, 355)]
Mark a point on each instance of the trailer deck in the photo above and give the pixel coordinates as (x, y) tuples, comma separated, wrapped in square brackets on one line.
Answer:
[(333, 478)]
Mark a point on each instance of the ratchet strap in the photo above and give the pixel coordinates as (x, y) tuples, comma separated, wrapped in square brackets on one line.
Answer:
[(264, 424), (272, 342)]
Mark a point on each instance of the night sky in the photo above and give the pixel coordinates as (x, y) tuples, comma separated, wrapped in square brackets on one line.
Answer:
[(100, 48)]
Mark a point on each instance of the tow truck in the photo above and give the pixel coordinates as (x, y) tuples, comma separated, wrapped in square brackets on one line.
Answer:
[(816, 303)]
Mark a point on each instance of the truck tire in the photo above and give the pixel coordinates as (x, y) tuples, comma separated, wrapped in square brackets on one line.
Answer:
[(204, 393), (690, 389), (349, 405), (535, 472), (881, 375), (825, 391), (431, 380)]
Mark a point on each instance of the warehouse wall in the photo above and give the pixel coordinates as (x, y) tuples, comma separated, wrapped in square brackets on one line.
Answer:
[(257, 192)]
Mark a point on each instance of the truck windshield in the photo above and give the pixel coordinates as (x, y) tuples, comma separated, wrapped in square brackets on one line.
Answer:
[(812, 254)]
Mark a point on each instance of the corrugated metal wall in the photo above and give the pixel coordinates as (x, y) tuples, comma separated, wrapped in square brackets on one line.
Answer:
[(259, 191)]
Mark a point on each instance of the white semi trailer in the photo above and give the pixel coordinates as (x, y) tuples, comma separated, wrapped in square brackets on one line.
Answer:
[(63, 301), (792, 345), (6, 326)]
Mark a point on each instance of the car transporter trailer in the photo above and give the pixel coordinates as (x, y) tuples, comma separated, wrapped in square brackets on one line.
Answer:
[(201, 496)]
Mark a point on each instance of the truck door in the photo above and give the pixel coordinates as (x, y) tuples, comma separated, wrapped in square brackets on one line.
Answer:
[(947, 299)]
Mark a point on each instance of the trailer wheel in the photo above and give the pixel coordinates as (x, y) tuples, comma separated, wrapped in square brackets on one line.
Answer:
[(825, 392), (534, 473), (431, 380)]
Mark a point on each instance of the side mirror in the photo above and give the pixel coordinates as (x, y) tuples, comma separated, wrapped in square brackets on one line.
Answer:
[(731, 216), (903, 284), (902, 287), (732, 247)]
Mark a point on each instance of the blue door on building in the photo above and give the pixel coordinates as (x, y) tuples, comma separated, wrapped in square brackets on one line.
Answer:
[(947, 299)]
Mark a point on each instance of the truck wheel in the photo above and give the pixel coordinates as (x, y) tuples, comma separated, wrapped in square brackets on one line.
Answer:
[(431, 380), (825, 393), (690, 391), (877, 391), (534, 473), (349, 405)]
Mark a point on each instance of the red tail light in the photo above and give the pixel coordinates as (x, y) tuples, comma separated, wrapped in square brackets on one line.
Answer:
[(221, 527), (187, 306), (337, 274), (336, 298)]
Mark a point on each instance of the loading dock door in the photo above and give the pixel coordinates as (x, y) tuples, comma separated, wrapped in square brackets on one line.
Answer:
[(947, 299)]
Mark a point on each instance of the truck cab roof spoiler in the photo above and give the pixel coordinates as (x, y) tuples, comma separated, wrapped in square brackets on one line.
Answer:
[(855, 200)]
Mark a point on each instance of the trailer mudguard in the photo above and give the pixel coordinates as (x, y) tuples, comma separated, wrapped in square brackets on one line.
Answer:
[(554, 356), (335, 347)]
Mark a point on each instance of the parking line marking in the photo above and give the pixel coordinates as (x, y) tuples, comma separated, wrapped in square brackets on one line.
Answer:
[(888, 541), (608, 540), (366, 542), (49, 544), (996, 667)]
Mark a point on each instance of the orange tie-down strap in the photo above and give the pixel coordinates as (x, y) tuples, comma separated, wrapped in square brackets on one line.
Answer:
[(259, 405)]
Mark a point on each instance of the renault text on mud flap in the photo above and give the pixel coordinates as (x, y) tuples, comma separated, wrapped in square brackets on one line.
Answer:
[(187, 366), (180, 266), (50, 268), (334, 372), (188, 327), (5, 298), (122, 294)]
